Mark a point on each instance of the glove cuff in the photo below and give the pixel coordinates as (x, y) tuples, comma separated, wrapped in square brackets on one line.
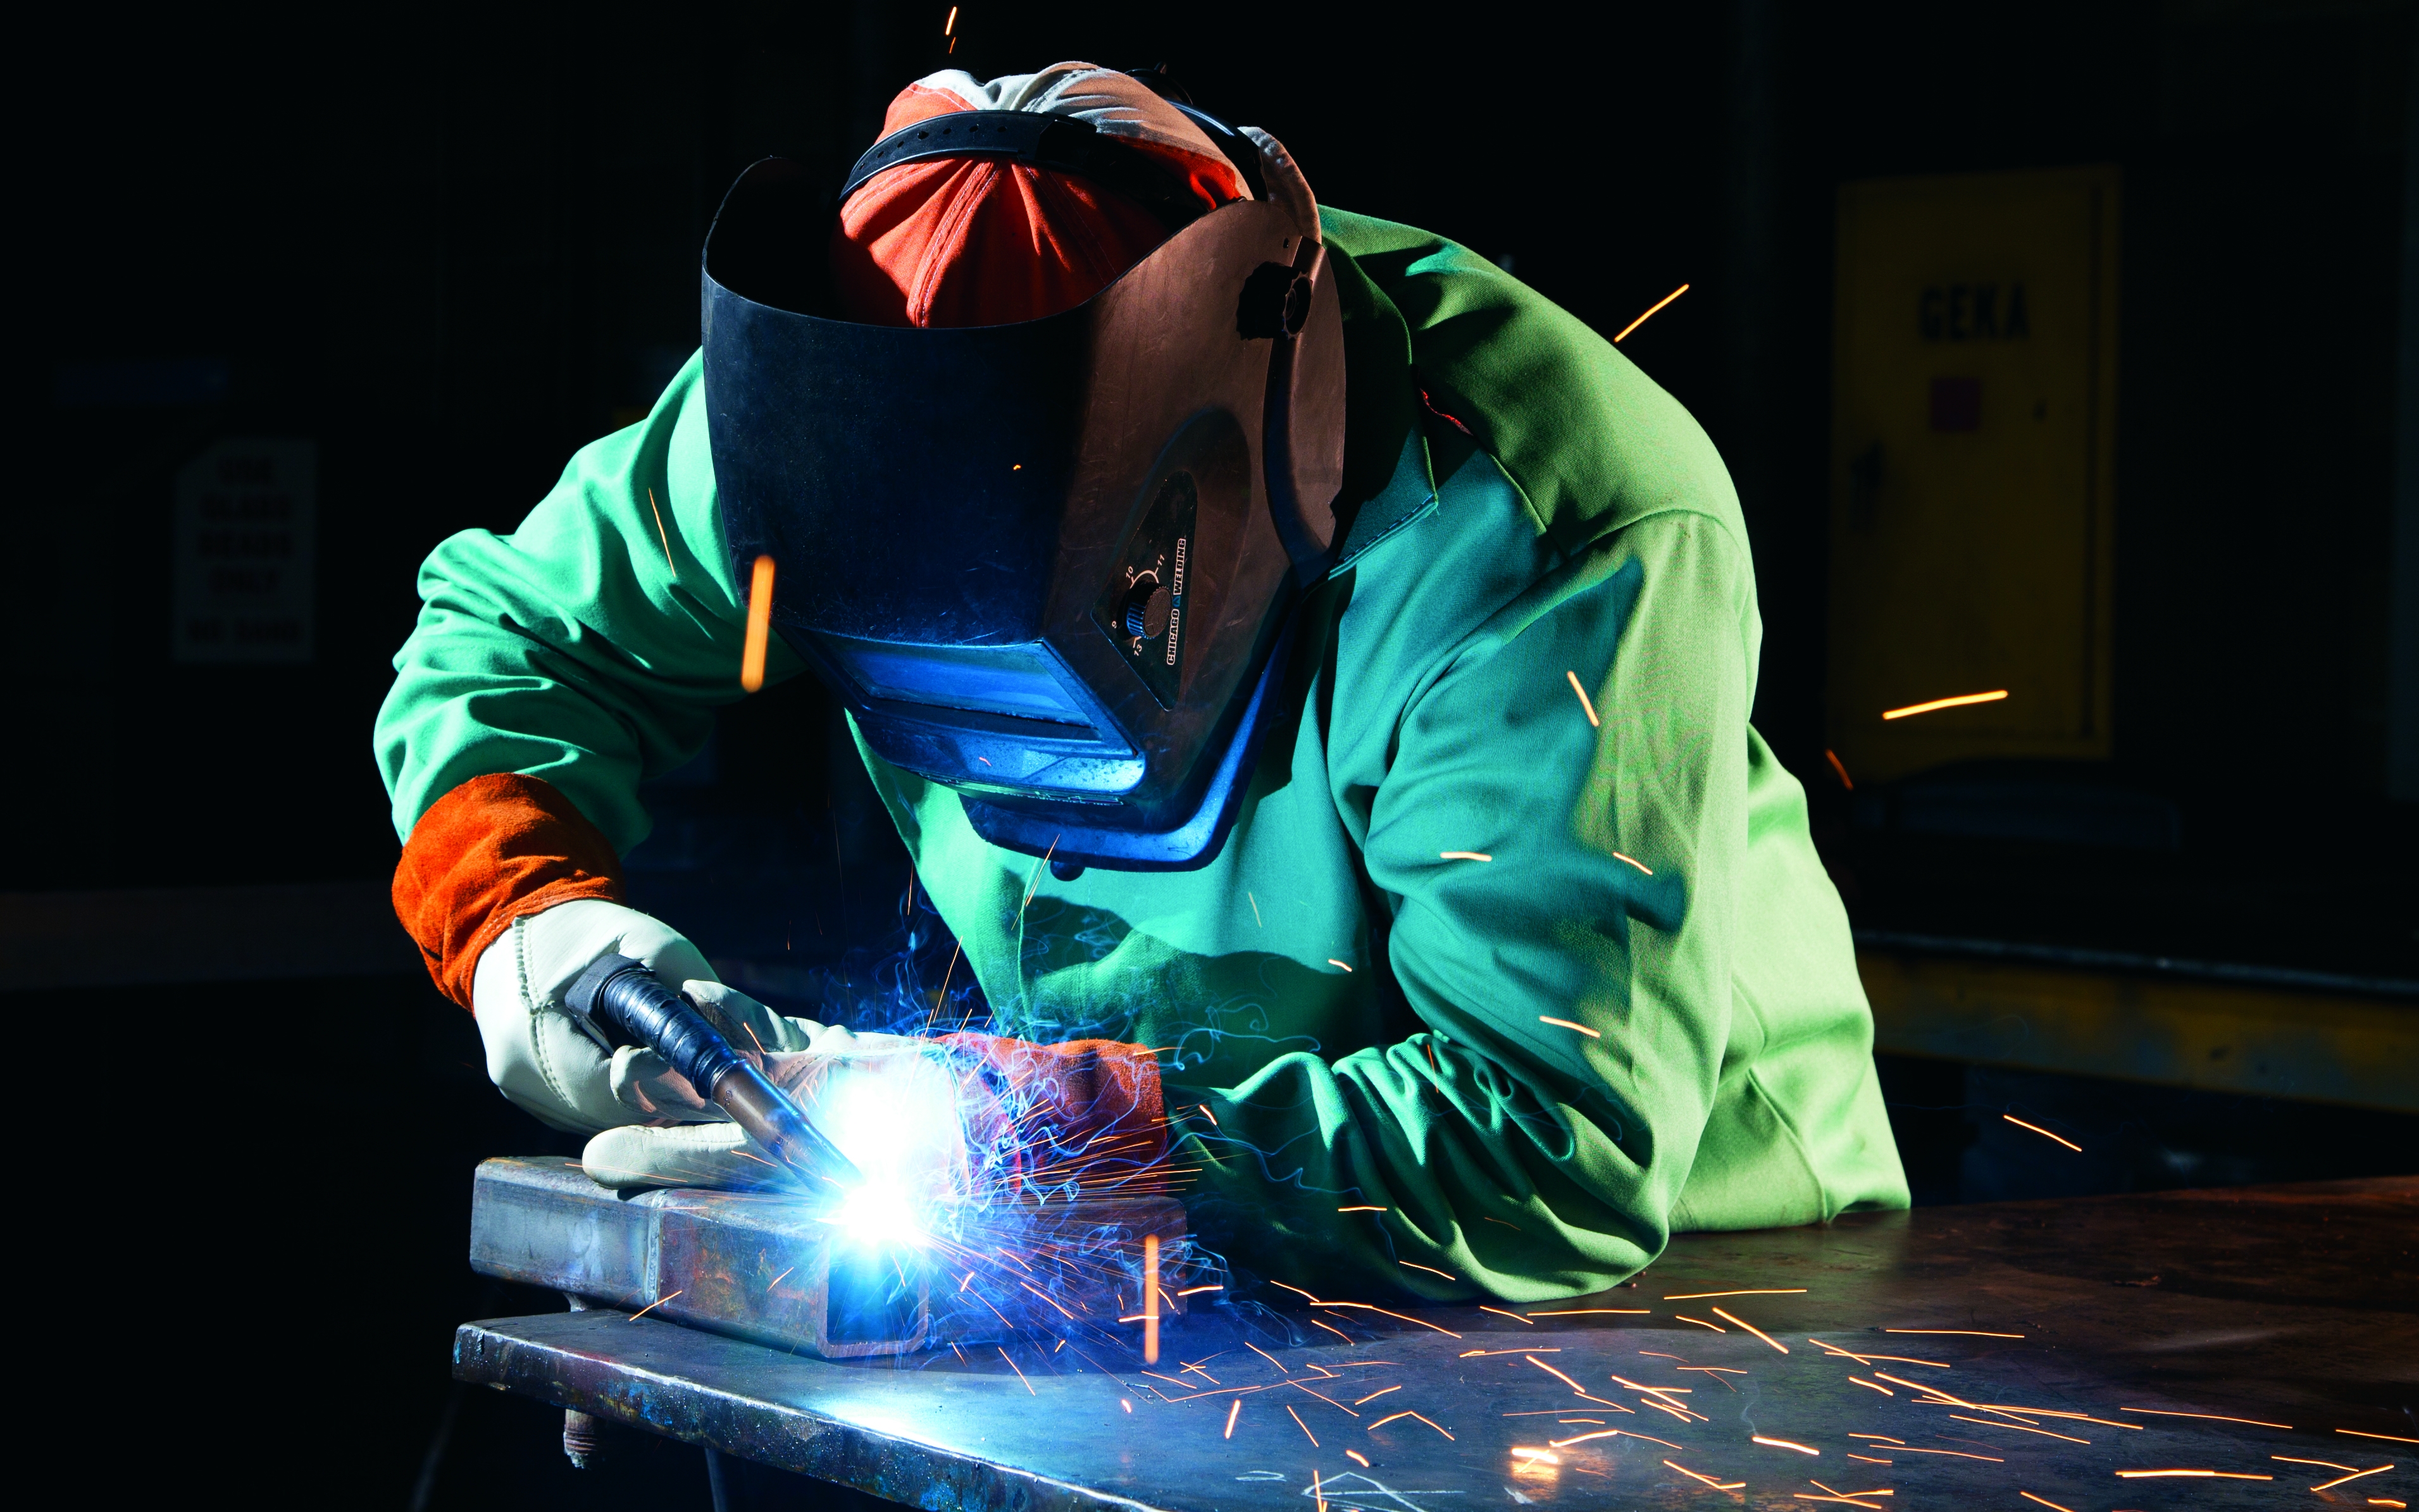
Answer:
[(1089, 1108), (494, 848)]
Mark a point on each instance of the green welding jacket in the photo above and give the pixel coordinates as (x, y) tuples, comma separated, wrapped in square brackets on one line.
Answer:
[(1519, 957)]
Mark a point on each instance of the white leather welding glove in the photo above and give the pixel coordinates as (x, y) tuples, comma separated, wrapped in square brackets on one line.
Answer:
[(558, 1067), (913, 1117)]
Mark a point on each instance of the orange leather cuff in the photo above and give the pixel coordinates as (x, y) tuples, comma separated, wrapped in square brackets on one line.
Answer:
[(1091, 1108), (493, 849)]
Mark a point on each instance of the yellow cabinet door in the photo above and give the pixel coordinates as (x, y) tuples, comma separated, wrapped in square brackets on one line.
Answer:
[(1974, 387)]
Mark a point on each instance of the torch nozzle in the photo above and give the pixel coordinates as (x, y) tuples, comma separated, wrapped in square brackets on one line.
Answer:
[(625, 992), (778, 1124)]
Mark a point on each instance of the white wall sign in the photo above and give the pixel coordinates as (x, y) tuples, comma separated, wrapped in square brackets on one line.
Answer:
[(245, 512)]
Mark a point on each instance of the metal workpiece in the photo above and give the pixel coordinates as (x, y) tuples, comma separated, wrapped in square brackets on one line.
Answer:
[(1951, 1356), (767, 1267)]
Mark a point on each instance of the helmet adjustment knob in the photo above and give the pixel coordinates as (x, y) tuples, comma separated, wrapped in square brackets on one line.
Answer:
[(1149, 610)]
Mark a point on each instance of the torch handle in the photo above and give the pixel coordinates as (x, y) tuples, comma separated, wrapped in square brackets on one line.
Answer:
[(623, 992)]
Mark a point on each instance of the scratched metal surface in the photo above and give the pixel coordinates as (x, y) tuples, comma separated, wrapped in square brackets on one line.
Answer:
[(2290, 1305)]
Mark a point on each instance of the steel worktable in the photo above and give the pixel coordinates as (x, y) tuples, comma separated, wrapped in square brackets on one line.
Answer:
[(1973, 1355)]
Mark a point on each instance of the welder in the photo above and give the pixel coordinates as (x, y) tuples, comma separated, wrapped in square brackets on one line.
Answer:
[(1309, 670)]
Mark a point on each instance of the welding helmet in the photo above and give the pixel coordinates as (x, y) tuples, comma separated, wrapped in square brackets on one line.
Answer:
[(1053, 563)]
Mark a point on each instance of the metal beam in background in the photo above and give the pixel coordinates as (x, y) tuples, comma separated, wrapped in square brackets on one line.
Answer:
[(2129, 1309), (2177, 1030), (760, 1265), (148, 937)]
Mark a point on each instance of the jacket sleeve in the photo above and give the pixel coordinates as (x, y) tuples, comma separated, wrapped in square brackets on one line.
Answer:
[(1589, 745), (588, 650), (591, 646)]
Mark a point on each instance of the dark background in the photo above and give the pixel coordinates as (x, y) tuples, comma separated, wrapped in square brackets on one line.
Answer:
[(452, 244)]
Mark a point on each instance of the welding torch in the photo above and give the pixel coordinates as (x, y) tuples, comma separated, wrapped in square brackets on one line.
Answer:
[(618, 989)]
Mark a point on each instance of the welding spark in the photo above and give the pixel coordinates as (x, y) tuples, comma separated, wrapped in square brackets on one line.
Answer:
[(1366, 1307), (2192, 1474), (1233, 1413), (1576, 1312), (1537, 1456), (1333, 1329), (777, 1280), (1375, 1395), (2357, 1474), (1750, 1328), (1650, 310), (1700, 1322), (1364, 1208), (1566, 1024), (1036, 886), (1707, 1479), (1333, 961), (1190, 1291), (2018, 1427), (1356, 1457), (1959, 701), (1463, 856), (1429, 1268), (1585, 703), (1514, 1317), (1954, 1454), (1383, 1421), (2044, 1411), (1297, 1423), (652, 1305), (2357, 1434), (1626, 1433), (760, 625), (1582, 1438), (2322, 1464), (1838, 1352), (1324, 1397), (2039, 1130), (1631, 861), (1556, 1374), (1150, 1299), (1965, 1333), (1266, 1356), (663, 537), (1870, 1460), (1700, 1296), (2044, 1501), (943, 995), (1151, 1354), (1870, 1386), (1785, 1444)]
